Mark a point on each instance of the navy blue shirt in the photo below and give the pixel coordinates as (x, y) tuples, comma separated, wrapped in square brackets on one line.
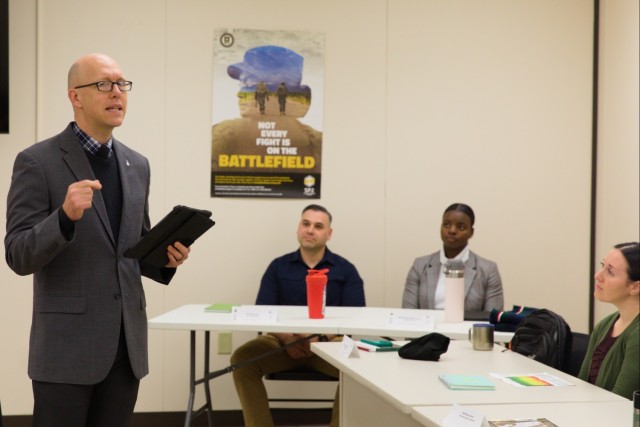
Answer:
[(284, 282)]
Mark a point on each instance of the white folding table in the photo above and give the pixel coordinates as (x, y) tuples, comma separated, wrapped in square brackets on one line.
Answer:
[(363, 321), (383, 388)]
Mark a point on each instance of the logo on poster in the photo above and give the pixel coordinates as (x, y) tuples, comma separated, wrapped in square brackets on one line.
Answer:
[(309, 183), (226, 40)]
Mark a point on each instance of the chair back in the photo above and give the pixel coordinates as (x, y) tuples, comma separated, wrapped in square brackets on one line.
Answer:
[(578, 351)]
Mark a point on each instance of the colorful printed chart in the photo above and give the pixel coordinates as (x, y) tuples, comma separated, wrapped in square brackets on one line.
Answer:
[(532, 380)]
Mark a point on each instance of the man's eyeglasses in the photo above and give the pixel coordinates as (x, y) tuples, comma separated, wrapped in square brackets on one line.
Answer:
[(105, 86)]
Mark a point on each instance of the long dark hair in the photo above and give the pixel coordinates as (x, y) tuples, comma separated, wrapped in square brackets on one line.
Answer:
[(631, 252)]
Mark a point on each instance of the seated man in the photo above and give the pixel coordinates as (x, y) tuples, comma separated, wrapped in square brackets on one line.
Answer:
[(284, 284)]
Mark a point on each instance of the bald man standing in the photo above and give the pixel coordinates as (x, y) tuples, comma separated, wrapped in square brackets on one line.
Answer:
[(77, 201)]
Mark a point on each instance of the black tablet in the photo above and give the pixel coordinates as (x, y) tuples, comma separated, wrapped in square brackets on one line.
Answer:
[(183, 224)]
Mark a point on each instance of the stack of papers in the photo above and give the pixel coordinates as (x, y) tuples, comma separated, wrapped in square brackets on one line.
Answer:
[(467, 382)]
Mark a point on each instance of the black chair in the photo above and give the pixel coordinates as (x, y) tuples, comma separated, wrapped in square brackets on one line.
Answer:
[(578, 352), (299, 374)]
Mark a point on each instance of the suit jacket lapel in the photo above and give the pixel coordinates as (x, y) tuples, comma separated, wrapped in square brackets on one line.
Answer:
[(470, 271), (433, 274), (76, 158), (127, 182)]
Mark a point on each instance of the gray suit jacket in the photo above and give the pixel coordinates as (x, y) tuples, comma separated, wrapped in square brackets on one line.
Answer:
[(482, 284), (84, 287)]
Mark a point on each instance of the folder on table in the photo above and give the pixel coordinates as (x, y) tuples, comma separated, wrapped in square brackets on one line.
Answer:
[(467, 382), (219, 308), (183, 224)]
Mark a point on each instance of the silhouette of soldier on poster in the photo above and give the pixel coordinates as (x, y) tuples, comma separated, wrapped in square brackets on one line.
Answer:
[(282, 93)]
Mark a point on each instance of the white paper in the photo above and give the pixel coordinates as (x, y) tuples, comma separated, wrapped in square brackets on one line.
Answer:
[(252, 313), (348, 348), (420, 322), (461, 416), (540, 379)]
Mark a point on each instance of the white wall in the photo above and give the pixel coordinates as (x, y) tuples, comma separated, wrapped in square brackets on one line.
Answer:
[(425, 103), (618, 209), (489, 104)]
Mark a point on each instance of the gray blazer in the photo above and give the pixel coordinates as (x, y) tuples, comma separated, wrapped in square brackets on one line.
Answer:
[(482, 284), (84, 287)]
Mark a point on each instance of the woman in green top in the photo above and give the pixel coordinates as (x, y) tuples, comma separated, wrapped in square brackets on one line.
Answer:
[(613, 356)]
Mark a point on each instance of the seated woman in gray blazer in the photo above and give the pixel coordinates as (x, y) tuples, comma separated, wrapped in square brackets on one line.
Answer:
[(425, 281)]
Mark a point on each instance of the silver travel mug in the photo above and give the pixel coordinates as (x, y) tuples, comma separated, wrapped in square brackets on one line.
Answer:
[(481, 336)]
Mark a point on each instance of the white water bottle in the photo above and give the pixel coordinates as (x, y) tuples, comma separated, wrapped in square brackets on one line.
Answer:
[(454, 292)]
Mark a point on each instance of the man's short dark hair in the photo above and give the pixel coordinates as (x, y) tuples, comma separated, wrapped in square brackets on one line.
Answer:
[(318, 208)]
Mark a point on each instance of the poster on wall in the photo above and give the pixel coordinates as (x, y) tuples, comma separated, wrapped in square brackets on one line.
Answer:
[(266, 134)]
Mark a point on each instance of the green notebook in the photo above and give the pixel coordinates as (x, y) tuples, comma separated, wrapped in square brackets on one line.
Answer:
[(467, 382), (219, 308)]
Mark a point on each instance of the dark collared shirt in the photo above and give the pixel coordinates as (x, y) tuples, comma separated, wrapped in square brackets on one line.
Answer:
[(284, 282)]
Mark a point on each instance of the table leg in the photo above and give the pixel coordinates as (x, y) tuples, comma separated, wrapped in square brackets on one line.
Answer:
[(207, 391), (208, 376), (192, 380), (208, 407)]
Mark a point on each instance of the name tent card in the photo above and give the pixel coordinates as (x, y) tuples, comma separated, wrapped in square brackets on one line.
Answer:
[(461, 416), (418, 322), (254, 314), (348, 348)]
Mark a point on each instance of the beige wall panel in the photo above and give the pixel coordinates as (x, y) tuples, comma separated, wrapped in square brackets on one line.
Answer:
[(15, 302), (227, 264), (618, 215), (489, 103)]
